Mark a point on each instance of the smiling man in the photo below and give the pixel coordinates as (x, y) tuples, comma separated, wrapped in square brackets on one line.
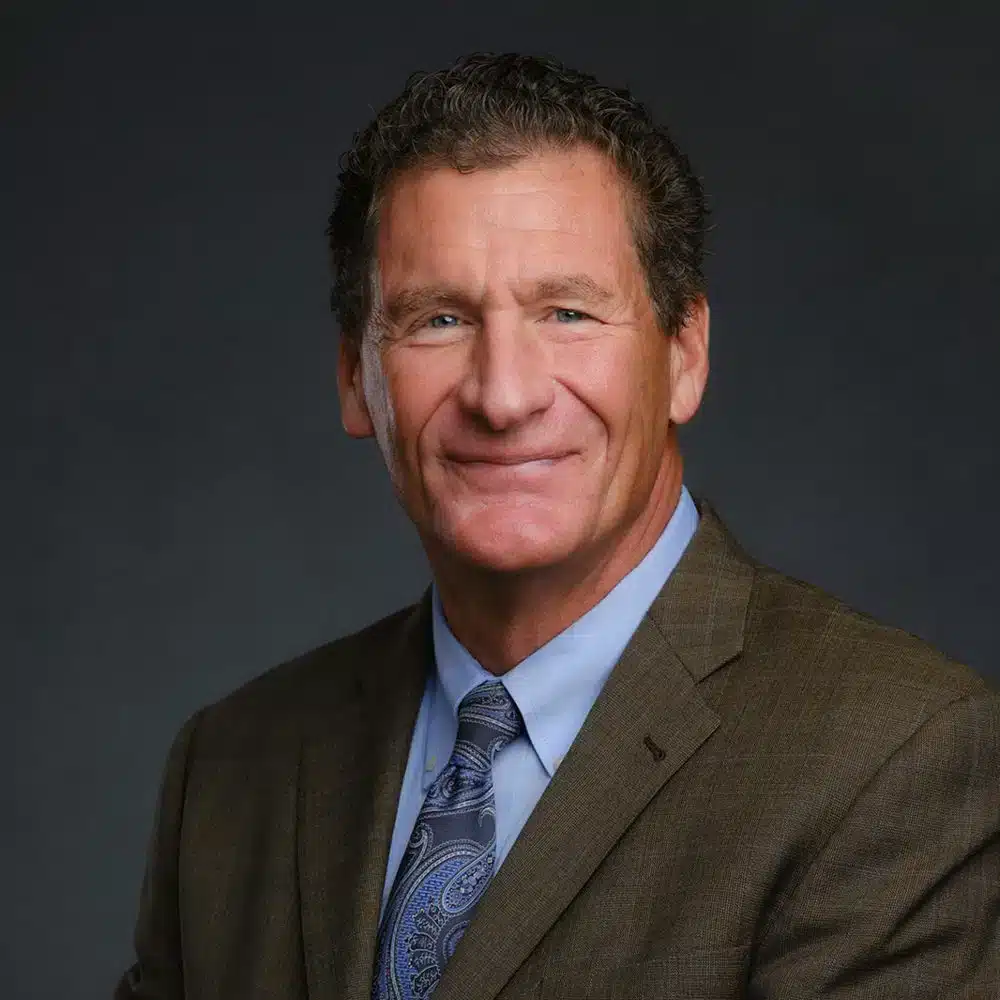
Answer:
[(527, 398), (607, 754)]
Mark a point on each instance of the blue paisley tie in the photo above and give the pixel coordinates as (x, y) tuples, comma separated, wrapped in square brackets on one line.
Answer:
[(449, 859)]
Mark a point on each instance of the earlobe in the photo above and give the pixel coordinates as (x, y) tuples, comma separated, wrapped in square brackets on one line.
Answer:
[(354, 413), (689, 363)]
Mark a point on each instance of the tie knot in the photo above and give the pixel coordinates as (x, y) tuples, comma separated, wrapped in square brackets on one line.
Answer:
[(488, 718)]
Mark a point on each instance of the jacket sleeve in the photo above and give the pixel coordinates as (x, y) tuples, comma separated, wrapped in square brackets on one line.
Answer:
[(903, 899), (157, 973)]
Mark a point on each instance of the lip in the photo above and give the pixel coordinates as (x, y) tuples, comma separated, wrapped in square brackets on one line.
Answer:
[(545, 458), (503, 473)]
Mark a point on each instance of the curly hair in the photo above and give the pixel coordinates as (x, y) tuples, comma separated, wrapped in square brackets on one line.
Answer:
[(489, 110)]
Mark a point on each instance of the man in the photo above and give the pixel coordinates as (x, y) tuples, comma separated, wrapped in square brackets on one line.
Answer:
[(607, 755)]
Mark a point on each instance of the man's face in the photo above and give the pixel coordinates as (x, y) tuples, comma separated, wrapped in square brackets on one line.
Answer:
[(519, 386)]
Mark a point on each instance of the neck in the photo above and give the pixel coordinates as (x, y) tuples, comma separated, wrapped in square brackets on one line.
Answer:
[(501, 618)]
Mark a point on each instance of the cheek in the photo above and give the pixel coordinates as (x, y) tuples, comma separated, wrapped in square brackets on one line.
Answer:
[(603, 379), (419, 385), (626, 391)]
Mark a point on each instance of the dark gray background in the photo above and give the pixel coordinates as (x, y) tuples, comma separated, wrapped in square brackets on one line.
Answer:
[(181, 507)]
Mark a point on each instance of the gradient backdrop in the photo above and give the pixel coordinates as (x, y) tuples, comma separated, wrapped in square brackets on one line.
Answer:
[(182, 509)]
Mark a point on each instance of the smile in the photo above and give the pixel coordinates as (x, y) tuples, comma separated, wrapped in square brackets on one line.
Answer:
[(506, 469), (536, 459), (515, 463)]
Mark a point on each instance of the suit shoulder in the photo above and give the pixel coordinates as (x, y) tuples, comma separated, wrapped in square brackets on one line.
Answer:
[(279, 701), (789, 618), (818, 681)]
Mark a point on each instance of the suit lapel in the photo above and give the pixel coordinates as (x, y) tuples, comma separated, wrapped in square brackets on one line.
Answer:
[(646, 723), (351, 771)]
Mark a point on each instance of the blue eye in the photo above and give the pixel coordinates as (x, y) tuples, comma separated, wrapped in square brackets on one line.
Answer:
[(448, 319), (569, 315)]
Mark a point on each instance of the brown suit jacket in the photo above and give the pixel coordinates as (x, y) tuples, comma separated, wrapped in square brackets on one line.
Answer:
[(772, 797)]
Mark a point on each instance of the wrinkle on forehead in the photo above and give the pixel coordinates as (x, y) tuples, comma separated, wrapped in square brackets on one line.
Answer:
[(534, 211), (502, 261), (495, 231), (550, 191)]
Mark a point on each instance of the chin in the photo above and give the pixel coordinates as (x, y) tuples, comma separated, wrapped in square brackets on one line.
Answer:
[(511, 542)]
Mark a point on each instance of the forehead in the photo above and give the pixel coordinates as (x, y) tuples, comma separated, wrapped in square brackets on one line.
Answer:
[(558, 210)]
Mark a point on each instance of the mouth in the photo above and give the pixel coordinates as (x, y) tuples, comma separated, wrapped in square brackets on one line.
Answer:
[(547, 458), (503, 471)]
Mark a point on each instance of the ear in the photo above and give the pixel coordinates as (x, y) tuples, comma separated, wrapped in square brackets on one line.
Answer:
[(354, 413), (689, 363)]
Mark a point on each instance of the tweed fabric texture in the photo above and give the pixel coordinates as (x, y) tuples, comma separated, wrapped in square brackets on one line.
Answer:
[(774, 796)]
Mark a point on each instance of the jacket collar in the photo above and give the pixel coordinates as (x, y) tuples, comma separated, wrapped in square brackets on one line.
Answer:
[(647, 721)]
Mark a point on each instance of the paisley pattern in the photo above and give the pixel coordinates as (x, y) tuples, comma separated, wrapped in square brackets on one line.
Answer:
[(449, 859)]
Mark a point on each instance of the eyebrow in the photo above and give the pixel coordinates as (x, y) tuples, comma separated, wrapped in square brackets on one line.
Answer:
[(580, 287), (577, 286)]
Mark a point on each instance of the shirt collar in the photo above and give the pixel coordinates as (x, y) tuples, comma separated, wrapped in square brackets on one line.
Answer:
[(556, 686)]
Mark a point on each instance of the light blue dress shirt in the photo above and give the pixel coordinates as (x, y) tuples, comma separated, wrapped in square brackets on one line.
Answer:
[(554, 688)]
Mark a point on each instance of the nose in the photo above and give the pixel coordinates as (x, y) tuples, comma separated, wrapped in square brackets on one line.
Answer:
[(508, 377)]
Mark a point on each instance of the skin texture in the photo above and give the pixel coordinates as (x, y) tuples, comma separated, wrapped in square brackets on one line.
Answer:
[(522, 395)]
